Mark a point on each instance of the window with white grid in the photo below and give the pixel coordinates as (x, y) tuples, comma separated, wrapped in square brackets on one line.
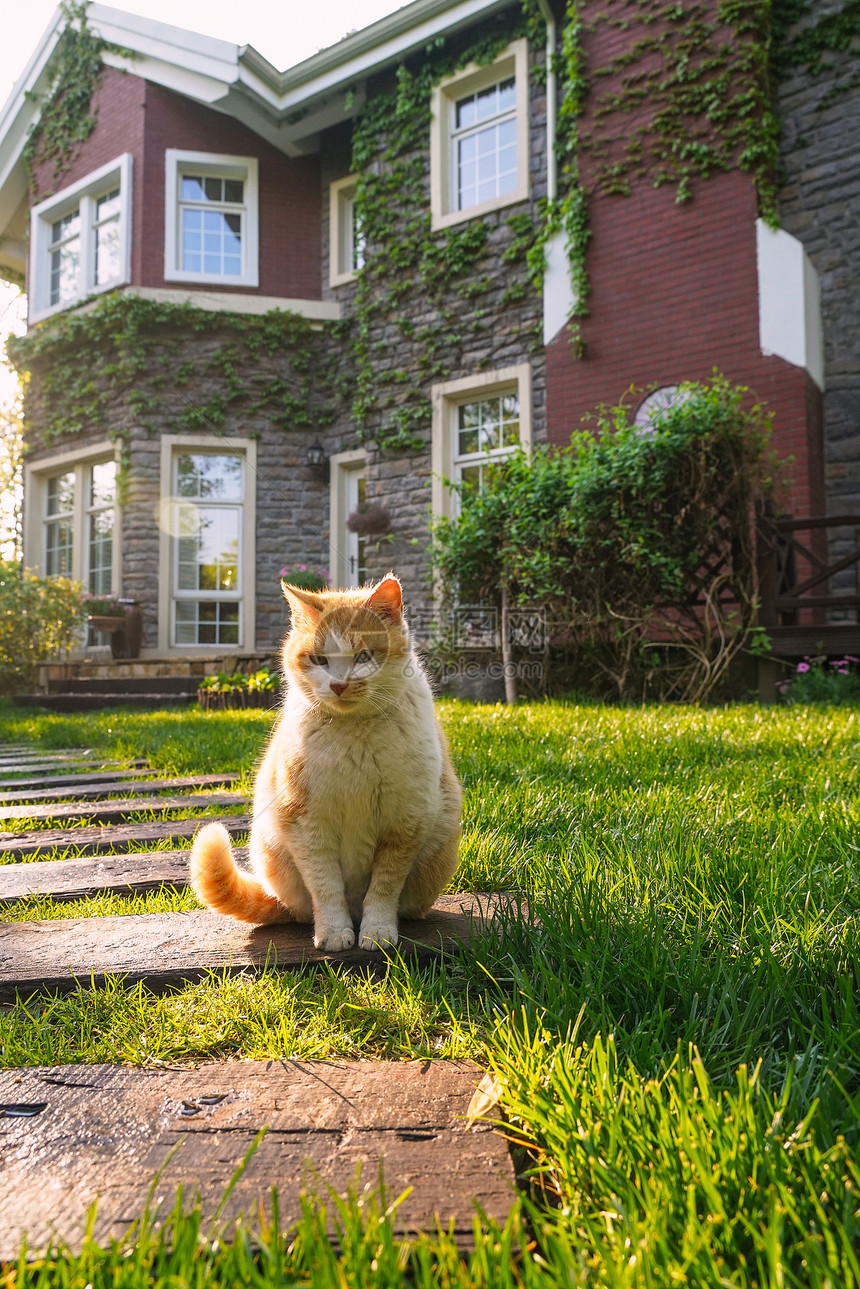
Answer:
[(60, 524), (485, 144), (479, 138), (487, 430), (476, 421), (346, 235), (211, 218), (80, 240), (207, 556)]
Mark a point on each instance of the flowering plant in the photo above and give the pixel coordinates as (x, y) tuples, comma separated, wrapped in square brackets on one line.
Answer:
[(818, 679), (103, 606), (305, 578)]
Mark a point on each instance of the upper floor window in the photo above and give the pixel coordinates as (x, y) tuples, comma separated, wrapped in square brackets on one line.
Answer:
[(80, 240), (210, 219), (479, 138), (346, 236)]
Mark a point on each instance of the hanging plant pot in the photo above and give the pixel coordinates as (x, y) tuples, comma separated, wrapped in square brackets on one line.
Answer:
[(369, 520), (106, 623)]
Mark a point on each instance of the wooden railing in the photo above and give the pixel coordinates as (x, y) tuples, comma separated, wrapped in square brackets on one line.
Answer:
[(795, 569)]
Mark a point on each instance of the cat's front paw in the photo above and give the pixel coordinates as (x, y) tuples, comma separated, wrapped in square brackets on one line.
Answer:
[(382, 936), (334, 939)]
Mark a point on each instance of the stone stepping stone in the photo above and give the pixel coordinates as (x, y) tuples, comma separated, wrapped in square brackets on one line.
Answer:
[(101, 1132), (116, 811), (167, 949), (70, 782), (101, 841), (75, 879), (97, 787)]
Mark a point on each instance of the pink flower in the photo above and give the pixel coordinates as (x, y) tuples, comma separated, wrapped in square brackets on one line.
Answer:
[(803, 666)]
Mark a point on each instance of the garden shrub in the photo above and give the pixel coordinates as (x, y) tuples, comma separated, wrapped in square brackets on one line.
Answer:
[(38, 619), (637, 543)]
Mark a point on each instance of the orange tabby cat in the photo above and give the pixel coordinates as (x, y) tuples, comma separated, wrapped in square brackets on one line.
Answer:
[(356, 802)]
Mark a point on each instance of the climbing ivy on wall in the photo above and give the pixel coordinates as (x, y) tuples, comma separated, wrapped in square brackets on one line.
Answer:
[(805, 37), (65, 117), (691, 93), (133, 351), (407, 260)]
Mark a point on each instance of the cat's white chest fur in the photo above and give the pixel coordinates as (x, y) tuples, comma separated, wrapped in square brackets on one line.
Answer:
[(368, 776)]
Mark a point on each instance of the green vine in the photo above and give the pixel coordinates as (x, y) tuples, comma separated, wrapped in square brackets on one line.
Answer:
[(800, 40), (407, 260), (65, 118), (693, 93), (132, 349)]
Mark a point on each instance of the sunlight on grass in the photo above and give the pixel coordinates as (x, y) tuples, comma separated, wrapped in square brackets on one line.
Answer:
[(671, 1008)]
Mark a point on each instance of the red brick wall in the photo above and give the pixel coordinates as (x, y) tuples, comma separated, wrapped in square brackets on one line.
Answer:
[(674, 294), (674, 288), (118, 106), (133, 115), (290, 196)]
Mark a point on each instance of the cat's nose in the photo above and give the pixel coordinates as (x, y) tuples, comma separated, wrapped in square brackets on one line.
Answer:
[(338, 686)]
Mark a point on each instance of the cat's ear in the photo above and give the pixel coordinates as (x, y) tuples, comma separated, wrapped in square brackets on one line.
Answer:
[(305, 606), (386, 599)]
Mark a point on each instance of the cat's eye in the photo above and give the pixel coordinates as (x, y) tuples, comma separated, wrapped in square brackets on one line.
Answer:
[(318, 660), (365, 655)]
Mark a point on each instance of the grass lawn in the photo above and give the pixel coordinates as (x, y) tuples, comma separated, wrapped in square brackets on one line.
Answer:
[(674, 1024)]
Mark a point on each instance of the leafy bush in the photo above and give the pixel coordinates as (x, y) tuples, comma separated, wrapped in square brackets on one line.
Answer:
[(636, 542), (237, 689), (38, 618), (818, 681)]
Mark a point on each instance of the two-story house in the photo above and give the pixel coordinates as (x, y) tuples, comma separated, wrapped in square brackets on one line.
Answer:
[(264, 302)]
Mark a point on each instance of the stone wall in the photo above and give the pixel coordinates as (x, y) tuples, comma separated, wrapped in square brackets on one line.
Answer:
[(508, 333), (292, 499), (820, 204)]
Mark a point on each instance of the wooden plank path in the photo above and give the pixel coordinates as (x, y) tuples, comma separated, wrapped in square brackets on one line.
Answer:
[(168, 949), (101, 1132), (75, 1134), (103, 841), (110, 812), (85, 875), (94, 787)]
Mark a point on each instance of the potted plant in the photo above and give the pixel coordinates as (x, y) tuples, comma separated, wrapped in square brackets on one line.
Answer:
[(369, 520), (119, 618), (104, 612), (305, 578)]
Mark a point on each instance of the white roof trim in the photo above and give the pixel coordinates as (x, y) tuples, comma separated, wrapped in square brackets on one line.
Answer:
[(234, 79)]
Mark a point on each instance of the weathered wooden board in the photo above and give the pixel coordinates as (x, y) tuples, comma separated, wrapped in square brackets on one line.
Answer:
[(72, 879), (101, 841), (105, 1130), (107, 787), (69, 782), (165, 949), (30, 753), (110, 812), (12, 774)]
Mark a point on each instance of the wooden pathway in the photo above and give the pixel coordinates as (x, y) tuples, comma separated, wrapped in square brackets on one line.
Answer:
[(71, 1134)]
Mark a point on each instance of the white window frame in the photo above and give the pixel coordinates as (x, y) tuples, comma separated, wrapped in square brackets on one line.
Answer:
[(446, 398), (171, 446), (343, 464), (342, 266), (35, 496), (83, 195), (512, 61), (177, 162)]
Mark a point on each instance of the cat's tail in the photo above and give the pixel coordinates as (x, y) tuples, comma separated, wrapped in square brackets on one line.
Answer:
[(219, 883)]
